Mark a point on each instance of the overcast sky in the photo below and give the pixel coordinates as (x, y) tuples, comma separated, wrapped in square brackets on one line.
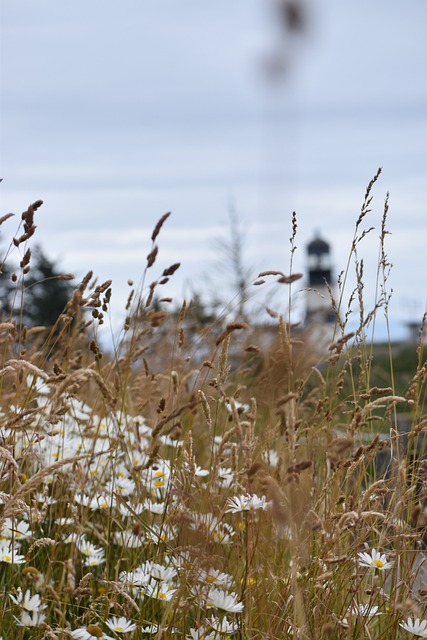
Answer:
[(114, 113)]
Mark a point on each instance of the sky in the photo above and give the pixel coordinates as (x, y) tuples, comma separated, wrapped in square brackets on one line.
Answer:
[(115, 113)]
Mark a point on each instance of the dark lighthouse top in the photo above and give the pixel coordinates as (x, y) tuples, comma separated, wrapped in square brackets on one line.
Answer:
[(319, 262)]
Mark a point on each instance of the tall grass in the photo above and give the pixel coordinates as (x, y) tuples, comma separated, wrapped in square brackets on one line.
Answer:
[(194, 484)]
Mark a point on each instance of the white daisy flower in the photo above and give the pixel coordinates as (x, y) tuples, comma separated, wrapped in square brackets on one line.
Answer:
[(18, 530), (159, 591), (246, 503), (128, 539), (240, 406), (136, 578), (151, 628), (74, 538), (374, 560), (28, 602), (165, 533), (87, 548), (165, 574), (170, 442), (223, 533), (225, 601), (94, 560), (225, 476), (9, 555), (224, 625), (417, 627), (200, 473), (157, 508), (34, 619), (120, 486), (365, 610), (120, 625), (215, 577), (62, 522), (102, 502)]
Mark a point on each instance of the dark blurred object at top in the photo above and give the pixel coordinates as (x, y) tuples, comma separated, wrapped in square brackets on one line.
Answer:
[(291, 17), (292, 14)]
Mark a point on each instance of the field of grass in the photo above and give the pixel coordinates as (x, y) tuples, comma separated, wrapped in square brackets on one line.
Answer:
[(192, 484)]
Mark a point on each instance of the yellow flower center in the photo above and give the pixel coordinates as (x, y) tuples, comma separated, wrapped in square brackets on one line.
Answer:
[(211, 579), (378, 563), (7, 558), (161, 595), (158, 483)]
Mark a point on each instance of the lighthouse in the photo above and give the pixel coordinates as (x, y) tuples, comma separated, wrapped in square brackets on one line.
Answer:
[(320, 317)]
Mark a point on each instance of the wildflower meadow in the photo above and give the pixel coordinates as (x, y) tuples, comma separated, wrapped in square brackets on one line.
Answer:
[(195, 481)]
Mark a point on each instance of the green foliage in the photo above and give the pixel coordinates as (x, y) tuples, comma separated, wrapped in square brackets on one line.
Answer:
[(37, 296)]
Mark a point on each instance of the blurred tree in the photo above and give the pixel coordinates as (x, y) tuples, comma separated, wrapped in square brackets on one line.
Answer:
[(37, 296)]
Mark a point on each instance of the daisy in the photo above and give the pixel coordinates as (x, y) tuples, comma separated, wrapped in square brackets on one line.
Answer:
[(127, 510), (225, 476), (165, 533), (74, 538), (128, 539), (136, 578), (239, 406), (416, 627), (245, 503), (17, 530), (225, 601), (215, 577), (223, 533), (160, 591), (151, 628), (62, 522), (165, 574), (34, 619), (9, 555), (94, 560), (139, 458), (367, 610), (28, 602), (375, 560), (102, 502), (170, 442), (120, 625), (120, 486), (200, 473), (223, 626), (88, 549), (157, 508)]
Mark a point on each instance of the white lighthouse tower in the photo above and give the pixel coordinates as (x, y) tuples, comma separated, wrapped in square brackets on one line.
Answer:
[(320, 317)]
